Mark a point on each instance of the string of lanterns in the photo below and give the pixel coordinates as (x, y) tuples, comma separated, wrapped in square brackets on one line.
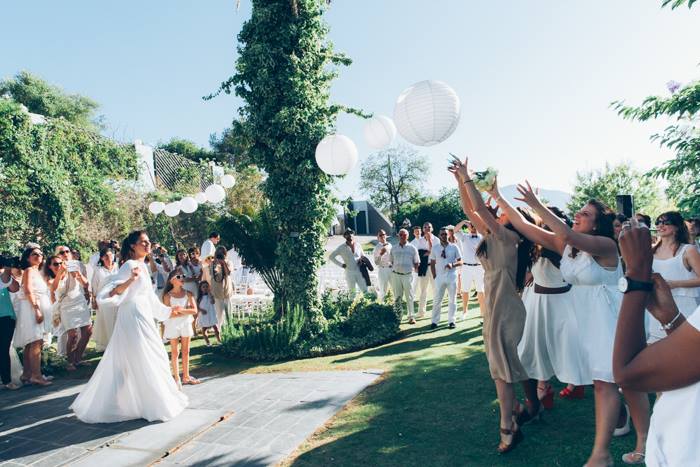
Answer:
[(425, 114), (214, 194)]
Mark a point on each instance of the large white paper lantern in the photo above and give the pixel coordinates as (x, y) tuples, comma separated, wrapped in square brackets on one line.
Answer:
[(188, 204), (215, 193), (200, 197), (227, 181), (380, 131), (156, 207), (336, 154), (172, 209), (427, 113)]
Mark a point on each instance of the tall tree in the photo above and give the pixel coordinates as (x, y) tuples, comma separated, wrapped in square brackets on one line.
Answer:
[(611, 181), (283, 74), (394, 177), (43, 98)]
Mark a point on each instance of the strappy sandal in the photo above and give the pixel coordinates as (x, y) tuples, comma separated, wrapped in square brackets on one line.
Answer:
[(191, 381), (39, 382), (517, 437), (522, 414), (633, 457)]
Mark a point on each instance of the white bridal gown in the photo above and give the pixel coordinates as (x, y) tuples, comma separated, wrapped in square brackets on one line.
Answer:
[(133, 378)]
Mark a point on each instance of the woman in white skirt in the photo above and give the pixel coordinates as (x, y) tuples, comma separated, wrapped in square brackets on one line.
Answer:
[(678, 262), (106, 315), (666, 366), (178, 330), (133, 377), (35, 307), (590, 263), (71, 308)]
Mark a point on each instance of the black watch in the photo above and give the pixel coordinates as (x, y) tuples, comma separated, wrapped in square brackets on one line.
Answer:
[(625, 284)]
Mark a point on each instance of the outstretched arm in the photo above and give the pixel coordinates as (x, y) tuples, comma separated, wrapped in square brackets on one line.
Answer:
[(534, 233), (474, 197), (593, 244)]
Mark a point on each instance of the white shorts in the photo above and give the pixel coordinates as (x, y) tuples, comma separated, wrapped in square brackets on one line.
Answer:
[(472, 275), (178, 327)]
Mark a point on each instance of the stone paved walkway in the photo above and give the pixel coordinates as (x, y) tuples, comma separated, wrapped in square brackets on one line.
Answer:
[(242, 420)]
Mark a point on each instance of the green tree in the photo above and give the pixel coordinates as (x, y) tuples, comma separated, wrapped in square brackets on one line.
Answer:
[(188, 149), (682, 137), (441, 210), (40, 97), (283, 75), (393, 178), (611, 181)]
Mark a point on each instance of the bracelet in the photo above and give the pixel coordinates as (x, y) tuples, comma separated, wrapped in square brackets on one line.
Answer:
[(669, 326), (468, 180)]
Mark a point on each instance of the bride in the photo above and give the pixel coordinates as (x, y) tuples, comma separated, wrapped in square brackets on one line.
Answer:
[(133, 378)]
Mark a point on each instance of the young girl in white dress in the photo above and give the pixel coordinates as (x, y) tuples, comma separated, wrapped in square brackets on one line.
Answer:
[(178, 330), (133, 378), (206, 318), (678, 262), (106, 314)]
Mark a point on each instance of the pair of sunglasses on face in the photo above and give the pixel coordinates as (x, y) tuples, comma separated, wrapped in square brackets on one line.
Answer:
[(663, 222)]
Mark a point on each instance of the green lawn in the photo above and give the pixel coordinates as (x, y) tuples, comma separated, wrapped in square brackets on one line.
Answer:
[(434, 406)]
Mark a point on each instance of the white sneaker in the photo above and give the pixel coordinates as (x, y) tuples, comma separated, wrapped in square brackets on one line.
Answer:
[(625, 429)]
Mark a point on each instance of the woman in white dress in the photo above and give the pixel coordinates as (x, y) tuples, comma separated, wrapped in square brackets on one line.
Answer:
[(106, 315), (133, 378), (71, 309), (35, 307), (674, 438), (206, 316), (178, 329), (678, 263), (590, 262)]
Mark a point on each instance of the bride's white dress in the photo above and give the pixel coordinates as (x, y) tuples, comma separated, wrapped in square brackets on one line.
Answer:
[(133, 378)]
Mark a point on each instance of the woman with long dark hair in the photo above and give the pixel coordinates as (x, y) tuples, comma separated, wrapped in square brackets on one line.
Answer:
[(505, 255), (102, 274), (590, 262), (133, 378)]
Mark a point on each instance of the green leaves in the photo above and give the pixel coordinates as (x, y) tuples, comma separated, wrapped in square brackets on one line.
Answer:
[(676, 3)]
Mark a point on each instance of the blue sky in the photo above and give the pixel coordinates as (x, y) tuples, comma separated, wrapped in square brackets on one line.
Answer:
[(535, 78)]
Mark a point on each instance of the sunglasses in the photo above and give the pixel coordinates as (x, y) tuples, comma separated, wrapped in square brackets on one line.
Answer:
[(179, 276), (36, 254), (443, 254), (64, 252), (56, 264), (663, 222)]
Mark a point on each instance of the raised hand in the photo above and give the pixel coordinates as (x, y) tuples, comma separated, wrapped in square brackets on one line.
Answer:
[(458, 168), (493, 191), (528, 195), (635, 246)]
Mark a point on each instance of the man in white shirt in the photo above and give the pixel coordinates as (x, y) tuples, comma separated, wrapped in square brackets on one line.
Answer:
[(424, 244), (445, 259), (472, 271), (404, 260), (382, 260), (417, 232), (209, 246), (350, 252)]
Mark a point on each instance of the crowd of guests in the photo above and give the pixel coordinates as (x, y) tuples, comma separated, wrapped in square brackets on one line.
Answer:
[(556, 296), (54, 301)]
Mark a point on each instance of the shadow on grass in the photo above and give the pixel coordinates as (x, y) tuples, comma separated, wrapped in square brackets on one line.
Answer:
[(442, 411)]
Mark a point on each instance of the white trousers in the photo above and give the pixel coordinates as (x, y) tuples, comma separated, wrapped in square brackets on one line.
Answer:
[(353, 277), (401, 284), (422, 283), (384, 275), (445, 283)]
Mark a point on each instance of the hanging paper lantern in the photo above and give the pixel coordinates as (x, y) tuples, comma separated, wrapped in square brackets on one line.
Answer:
[(156, 207), (188, 204), (215, 193), (227, 181), (200, 197), (336, 154), (380, 131), (427, 113), (172, 209)]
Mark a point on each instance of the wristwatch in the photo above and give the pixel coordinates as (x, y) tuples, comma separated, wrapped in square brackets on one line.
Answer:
[(625, 284)]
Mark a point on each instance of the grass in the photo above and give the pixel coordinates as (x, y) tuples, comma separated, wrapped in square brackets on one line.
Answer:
[(435, 405)]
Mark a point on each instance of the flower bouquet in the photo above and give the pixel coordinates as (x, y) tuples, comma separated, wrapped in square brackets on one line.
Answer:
[(485, 179)]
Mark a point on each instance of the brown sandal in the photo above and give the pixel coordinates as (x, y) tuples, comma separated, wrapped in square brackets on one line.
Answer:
[(191, 381), (517, 437)]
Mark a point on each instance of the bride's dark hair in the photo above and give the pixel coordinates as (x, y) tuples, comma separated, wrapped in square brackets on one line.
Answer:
[(127, 250)]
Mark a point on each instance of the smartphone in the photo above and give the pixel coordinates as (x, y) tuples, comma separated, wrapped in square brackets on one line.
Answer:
[(73, 266)]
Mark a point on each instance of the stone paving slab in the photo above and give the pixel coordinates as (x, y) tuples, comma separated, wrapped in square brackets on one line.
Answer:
[(244, 419)]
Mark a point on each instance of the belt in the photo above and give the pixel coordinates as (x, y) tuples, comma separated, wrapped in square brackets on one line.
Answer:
[(401, 273), (385, 267), (472, 264), (552, 290)]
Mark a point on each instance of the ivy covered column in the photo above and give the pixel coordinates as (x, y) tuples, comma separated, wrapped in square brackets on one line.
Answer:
[(283, 74)]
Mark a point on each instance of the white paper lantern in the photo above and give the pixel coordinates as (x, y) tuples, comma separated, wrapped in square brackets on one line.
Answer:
[(336, 154), (172, 209), (188, 204), (227, 181), (427, 113), (380, 131), (215, 193), (156, 207), (200, 197)]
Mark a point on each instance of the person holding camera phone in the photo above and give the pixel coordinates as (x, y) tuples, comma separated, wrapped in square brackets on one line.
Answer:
[(71, 308)]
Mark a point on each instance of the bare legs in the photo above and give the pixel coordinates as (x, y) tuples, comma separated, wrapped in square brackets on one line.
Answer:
[(174, 354), (465, 303), (31, 364), (174, 364), (638, 403), (506, 400), (607, 406)]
